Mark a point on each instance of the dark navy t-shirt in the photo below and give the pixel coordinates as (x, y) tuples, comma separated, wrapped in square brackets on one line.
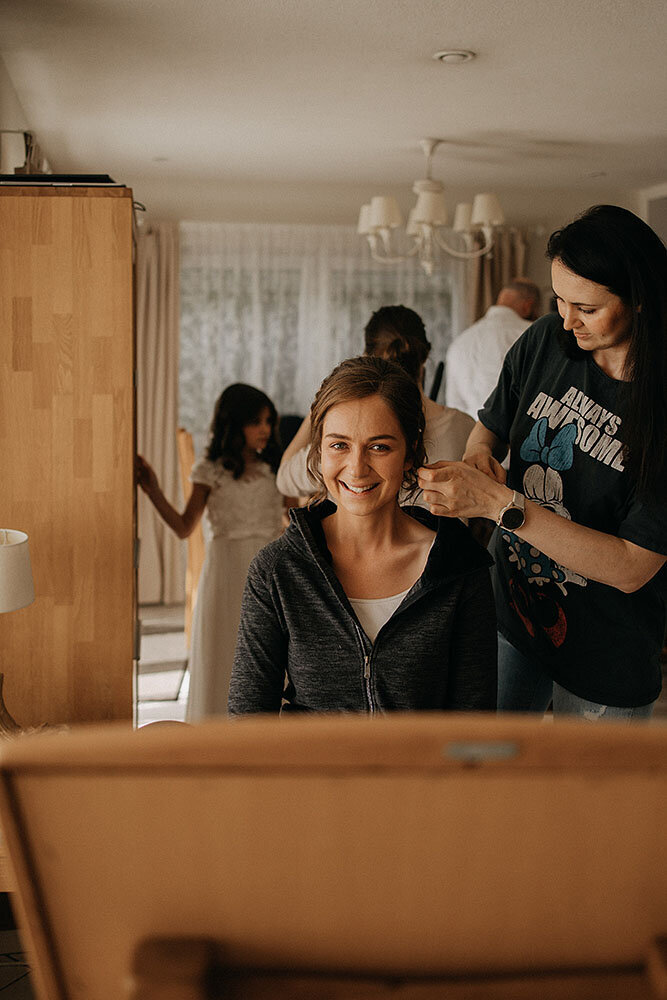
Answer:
[(561, 418)]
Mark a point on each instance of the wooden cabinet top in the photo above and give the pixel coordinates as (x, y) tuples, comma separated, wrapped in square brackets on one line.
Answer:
[(62, 190)]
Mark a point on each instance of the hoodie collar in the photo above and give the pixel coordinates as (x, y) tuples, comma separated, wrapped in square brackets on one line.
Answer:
[(454, 551)]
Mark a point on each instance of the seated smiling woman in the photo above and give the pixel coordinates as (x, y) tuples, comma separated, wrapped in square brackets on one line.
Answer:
[(364, 605)]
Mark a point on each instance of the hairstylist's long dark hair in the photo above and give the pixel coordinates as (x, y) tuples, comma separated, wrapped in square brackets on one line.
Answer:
[(614, 248), (237, 407)]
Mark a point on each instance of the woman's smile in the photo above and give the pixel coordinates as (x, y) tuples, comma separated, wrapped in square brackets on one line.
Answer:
[(358, 490)]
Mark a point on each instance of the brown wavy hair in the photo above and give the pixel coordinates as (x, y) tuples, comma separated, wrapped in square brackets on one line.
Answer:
[(398, 334), (359, 378)]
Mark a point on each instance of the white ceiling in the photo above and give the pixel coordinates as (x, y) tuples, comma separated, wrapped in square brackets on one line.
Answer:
[(217, 108)]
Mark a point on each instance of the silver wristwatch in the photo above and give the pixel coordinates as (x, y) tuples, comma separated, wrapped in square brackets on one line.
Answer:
[(513, 514)]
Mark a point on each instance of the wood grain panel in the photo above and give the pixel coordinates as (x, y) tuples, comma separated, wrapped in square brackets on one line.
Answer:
[(22, 335), (413, 861), (67, 437)]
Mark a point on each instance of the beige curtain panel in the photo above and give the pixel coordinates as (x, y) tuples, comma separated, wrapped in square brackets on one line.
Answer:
[(161, 553), (490, 273)]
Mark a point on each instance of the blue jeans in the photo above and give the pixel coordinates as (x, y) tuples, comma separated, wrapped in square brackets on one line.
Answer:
[(524, 687)]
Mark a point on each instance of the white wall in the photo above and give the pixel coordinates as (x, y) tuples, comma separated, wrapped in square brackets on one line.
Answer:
[(12, 115)]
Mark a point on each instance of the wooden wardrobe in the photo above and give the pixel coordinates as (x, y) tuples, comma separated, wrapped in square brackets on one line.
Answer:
[(67, 442)]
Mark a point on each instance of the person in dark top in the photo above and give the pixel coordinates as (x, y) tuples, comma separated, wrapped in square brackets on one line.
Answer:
[(364, 605), (581, 543)]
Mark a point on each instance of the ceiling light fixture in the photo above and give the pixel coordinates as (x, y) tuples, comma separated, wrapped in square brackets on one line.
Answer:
[(381, 215)]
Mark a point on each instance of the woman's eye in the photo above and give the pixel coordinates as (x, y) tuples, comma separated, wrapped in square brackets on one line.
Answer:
[(380, 447), (587, 312), (337, 445)]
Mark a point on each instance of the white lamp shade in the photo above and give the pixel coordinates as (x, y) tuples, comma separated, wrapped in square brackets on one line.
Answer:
[(385, 213), (430, 208), (486, 211), (16, 586), (463, 217), (364, 224)]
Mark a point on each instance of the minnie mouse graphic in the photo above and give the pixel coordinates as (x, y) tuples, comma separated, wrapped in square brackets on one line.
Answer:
[(541, 607)]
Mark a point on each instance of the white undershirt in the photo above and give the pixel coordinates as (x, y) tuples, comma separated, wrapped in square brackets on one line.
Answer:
[(374, 612)]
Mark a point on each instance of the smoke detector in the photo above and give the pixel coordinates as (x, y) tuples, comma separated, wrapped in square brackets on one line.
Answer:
[(454, 56)]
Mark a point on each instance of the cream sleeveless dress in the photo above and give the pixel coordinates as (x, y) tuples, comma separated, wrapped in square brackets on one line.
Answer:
[(242, 515)]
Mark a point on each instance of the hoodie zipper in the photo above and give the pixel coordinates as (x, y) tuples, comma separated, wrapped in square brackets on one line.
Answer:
[(367, 681), (367, 671)]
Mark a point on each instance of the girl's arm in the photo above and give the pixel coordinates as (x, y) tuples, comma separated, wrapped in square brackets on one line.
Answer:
[(460, 489), (183, 524)]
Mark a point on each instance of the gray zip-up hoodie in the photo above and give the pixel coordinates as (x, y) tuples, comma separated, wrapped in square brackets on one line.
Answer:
[(437, 651)]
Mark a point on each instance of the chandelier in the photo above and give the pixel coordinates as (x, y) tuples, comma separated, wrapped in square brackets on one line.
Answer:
[(426, 221)]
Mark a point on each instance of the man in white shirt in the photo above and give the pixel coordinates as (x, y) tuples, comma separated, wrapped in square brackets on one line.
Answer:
[(475, 358)]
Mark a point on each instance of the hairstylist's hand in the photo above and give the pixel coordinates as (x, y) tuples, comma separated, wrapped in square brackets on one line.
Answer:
[(457, 489), (482, 459)]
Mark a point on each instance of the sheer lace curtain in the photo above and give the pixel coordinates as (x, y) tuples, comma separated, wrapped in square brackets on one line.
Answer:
[(277, 306)]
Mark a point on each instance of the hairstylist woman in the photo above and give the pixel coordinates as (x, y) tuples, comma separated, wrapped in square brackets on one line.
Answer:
[(363, 604), (582, 537)]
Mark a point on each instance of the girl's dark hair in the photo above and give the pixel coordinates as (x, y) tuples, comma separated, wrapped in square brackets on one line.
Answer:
[(358, 378), (616, 249), (238, 406), (398, 334)]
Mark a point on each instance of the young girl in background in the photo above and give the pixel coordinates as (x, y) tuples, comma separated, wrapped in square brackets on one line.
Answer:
[(236, 484)]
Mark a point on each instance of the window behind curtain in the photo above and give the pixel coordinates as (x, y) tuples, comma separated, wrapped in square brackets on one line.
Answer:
[(278, 306)]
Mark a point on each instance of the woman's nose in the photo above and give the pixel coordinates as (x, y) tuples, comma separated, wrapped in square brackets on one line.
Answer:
[(358, 461), (570, 317)]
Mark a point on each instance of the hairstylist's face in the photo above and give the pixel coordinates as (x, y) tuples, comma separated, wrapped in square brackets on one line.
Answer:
[(598, 319), (258, 432), (363, 455)]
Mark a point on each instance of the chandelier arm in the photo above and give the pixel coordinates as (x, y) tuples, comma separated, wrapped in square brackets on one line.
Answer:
[(374, 243), (463, 254)]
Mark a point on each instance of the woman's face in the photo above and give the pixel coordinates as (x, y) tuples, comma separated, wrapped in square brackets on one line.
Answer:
[(598, 319), (363, 455), (258, 432)]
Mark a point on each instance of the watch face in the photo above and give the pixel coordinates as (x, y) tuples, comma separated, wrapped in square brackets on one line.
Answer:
[(513, 518)]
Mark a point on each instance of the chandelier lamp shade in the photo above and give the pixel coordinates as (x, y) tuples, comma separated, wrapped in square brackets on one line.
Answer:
[(379, 217)]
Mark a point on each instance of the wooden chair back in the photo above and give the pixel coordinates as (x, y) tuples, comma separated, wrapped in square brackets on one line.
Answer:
[(402, 858), (195, 542)]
